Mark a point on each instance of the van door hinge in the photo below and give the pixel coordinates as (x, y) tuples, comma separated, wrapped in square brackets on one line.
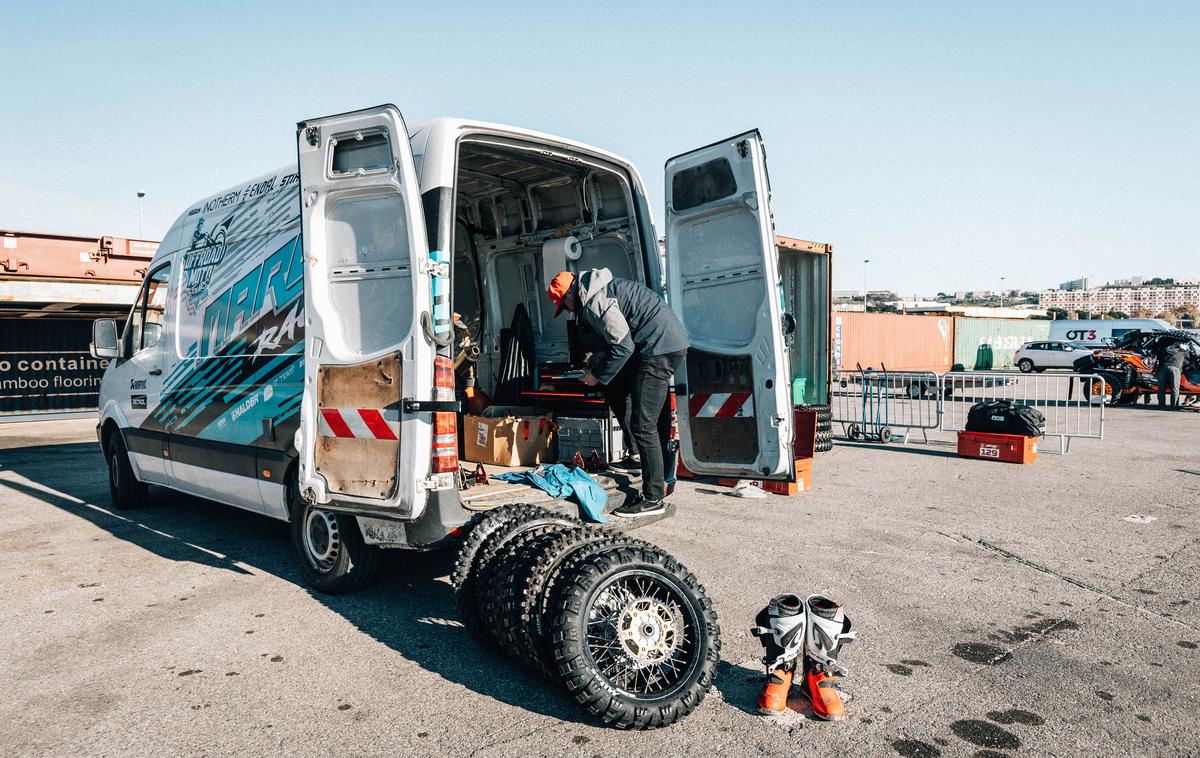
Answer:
[(434, 268), (431, 406)]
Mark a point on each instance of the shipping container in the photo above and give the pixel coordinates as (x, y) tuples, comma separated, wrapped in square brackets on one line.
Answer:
[(894, 341), (988, 344), (62, 256), (46, 367), (805, 269)]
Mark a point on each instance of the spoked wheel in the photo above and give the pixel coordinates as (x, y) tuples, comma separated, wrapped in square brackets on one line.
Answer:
[(635, 637), (638, 635)]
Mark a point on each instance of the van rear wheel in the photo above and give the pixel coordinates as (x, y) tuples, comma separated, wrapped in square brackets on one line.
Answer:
[(124, 489), (333, 556)]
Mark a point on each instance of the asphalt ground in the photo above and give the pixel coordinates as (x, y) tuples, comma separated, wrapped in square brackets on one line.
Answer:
[(1048, 609)]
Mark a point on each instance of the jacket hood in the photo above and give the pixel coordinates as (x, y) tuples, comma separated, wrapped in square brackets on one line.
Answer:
[(592, 282)]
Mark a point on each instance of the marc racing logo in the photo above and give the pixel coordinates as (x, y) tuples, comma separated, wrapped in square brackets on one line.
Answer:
[(205, 254)]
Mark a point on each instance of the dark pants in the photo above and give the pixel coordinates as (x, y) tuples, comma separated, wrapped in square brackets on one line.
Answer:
[(650, 418), (1168, 383), (616, 395)]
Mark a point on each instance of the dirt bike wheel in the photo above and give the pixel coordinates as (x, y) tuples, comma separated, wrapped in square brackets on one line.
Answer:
[(559, 557), (635, 638)]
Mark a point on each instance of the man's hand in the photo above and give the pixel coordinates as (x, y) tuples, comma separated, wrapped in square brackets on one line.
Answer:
[(589, 379)]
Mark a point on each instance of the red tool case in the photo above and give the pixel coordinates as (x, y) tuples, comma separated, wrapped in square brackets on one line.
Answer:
[(1013, 448)]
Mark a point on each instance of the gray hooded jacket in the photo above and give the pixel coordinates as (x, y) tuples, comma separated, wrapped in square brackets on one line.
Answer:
[(629, 316)]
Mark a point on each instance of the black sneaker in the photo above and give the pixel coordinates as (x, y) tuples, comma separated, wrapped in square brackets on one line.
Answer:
[(639, 506), (628, 463)]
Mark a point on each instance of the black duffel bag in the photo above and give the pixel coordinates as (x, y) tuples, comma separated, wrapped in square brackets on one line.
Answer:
[(1006, 417)]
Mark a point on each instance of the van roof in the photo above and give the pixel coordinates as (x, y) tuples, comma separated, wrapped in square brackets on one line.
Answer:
[(427, 137)]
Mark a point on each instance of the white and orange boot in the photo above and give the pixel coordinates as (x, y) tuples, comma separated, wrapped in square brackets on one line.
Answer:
[(827, 628)]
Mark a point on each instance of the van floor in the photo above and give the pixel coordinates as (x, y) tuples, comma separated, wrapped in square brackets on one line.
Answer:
[(483, 497)]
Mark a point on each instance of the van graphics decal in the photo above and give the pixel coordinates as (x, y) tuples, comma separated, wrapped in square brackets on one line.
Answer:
[(206, 253), (240, 374)]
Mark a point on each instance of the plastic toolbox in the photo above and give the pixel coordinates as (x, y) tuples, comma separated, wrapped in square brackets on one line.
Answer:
[(583, 435), (1013, 448)]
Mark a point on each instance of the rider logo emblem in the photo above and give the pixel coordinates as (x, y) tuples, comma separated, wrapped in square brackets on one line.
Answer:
[(205, 254)]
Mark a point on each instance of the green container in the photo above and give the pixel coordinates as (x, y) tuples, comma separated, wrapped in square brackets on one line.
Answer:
[(989, 344), (799, 387)]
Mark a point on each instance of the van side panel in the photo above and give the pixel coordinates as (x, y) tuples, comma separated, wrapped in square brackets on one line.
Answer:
[(231, 402)]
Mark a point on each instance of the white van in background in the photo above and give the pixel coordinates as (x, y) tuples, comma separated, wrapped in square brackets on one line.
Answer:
[(292, 349), (1100, 332)]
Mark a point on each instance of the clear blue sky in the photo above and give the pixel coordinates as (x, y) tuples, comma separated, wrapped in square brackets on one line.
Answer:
[(951, 143)]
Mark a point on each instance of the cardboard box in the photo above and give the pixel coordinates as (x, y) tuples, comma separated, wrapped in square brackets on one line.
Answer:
[(1013, 448), (509, 435)]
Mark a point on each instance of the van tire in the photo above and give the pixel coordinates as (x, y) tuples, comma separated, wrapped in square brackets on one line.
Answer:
[(671, 591), (124, 489), (347, 563)]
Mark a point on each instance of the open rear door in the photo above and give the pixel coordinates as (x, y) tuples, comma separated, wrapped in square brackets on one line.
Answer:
[(366, 288), (735, 414)]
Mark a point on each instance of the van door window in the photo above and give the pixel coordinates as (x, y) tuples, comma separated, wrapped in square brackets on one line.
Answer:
[(146, 320)]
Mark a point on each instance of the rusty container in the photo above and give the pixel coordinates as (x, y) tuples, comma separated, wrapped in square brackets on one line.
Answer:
[(894, 341)]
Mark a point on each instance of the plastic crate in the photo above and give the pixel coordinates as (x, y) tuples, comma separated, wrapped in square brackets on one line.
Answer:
[(1011, 448), (583, 435)]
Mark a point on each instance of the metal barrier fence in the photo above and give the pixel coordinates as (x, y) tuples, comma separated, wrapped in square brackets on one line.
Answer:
[(1073, 404), (877, 404)]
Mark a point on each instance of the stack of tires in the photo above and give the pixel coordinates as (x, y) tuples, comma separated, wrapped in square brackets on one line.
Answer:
[(824, 426), (626, 629)]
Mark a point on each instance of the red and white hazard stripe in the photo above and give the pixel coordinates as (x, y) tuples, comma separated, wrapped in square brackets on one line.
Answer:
[(721, 405), (361, 423)]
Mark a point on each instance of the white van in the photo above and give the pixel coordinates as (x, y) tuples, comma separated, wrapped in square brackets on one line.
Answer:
[(291, 351), (1098, 332)]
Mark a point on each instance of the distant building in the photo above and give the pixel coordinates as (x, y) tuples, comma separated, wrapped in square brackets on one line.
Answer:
[(1133, 281), (1086, 283), (1126, 299), (976, 311)]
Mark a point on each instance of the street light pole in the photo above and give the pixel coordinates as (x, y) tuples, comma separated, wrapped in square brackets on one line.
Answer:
[(865, 262), (141, 225), (1002, 292)]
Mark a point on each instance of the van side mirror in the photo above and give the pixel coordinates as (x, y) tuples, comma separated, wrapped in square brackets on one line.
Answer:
[(105, 339)]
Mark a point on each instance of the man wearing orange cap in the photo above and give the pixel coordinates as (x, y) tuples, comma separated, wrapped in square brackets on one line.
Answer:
[(646, 343)]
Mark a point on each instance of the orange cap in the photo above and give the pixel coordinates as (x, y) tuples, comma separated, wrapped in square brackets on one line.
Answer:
[(560, 285)]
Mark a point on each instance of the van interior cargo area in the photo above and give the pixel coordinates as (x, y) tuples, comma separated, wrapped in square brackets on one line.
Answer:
[(522, 214)]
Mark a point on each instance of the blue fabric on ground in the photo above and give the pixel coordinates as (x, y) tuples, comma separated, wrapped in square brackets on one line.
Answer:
[(561, 482)]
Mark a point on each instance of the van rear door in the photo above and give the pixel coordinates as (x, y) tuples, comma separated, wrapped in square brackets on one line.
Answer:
[(735, 415), (366, 294)]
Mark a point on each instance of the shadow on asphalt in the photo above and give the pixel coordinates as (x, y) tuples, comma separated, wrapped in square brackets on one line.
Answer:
[(409, 607), (899, 447)]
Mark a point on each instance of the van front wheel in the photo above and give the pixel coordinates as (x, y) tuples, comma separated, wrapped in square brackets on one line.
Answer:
[(123, 487), (333, 556)]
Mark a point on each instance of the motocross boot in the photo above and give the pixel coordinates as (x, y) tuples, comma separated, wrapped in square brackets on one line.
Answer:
[(773, 699)]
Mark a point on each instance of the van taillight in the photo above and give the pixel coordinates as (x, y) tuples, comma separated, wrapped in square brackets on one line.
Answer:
[(674, 416), (445, 425)]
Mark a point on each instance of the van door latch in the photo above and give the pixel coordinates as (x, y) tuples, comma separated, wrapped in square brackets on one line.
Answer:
[(434, 268), (431, 406)]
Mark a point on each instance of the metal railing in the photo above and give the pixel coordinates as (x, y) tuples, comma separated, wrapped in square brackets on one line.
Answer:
[(871, 404), (878, 404), (1073, 404)]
